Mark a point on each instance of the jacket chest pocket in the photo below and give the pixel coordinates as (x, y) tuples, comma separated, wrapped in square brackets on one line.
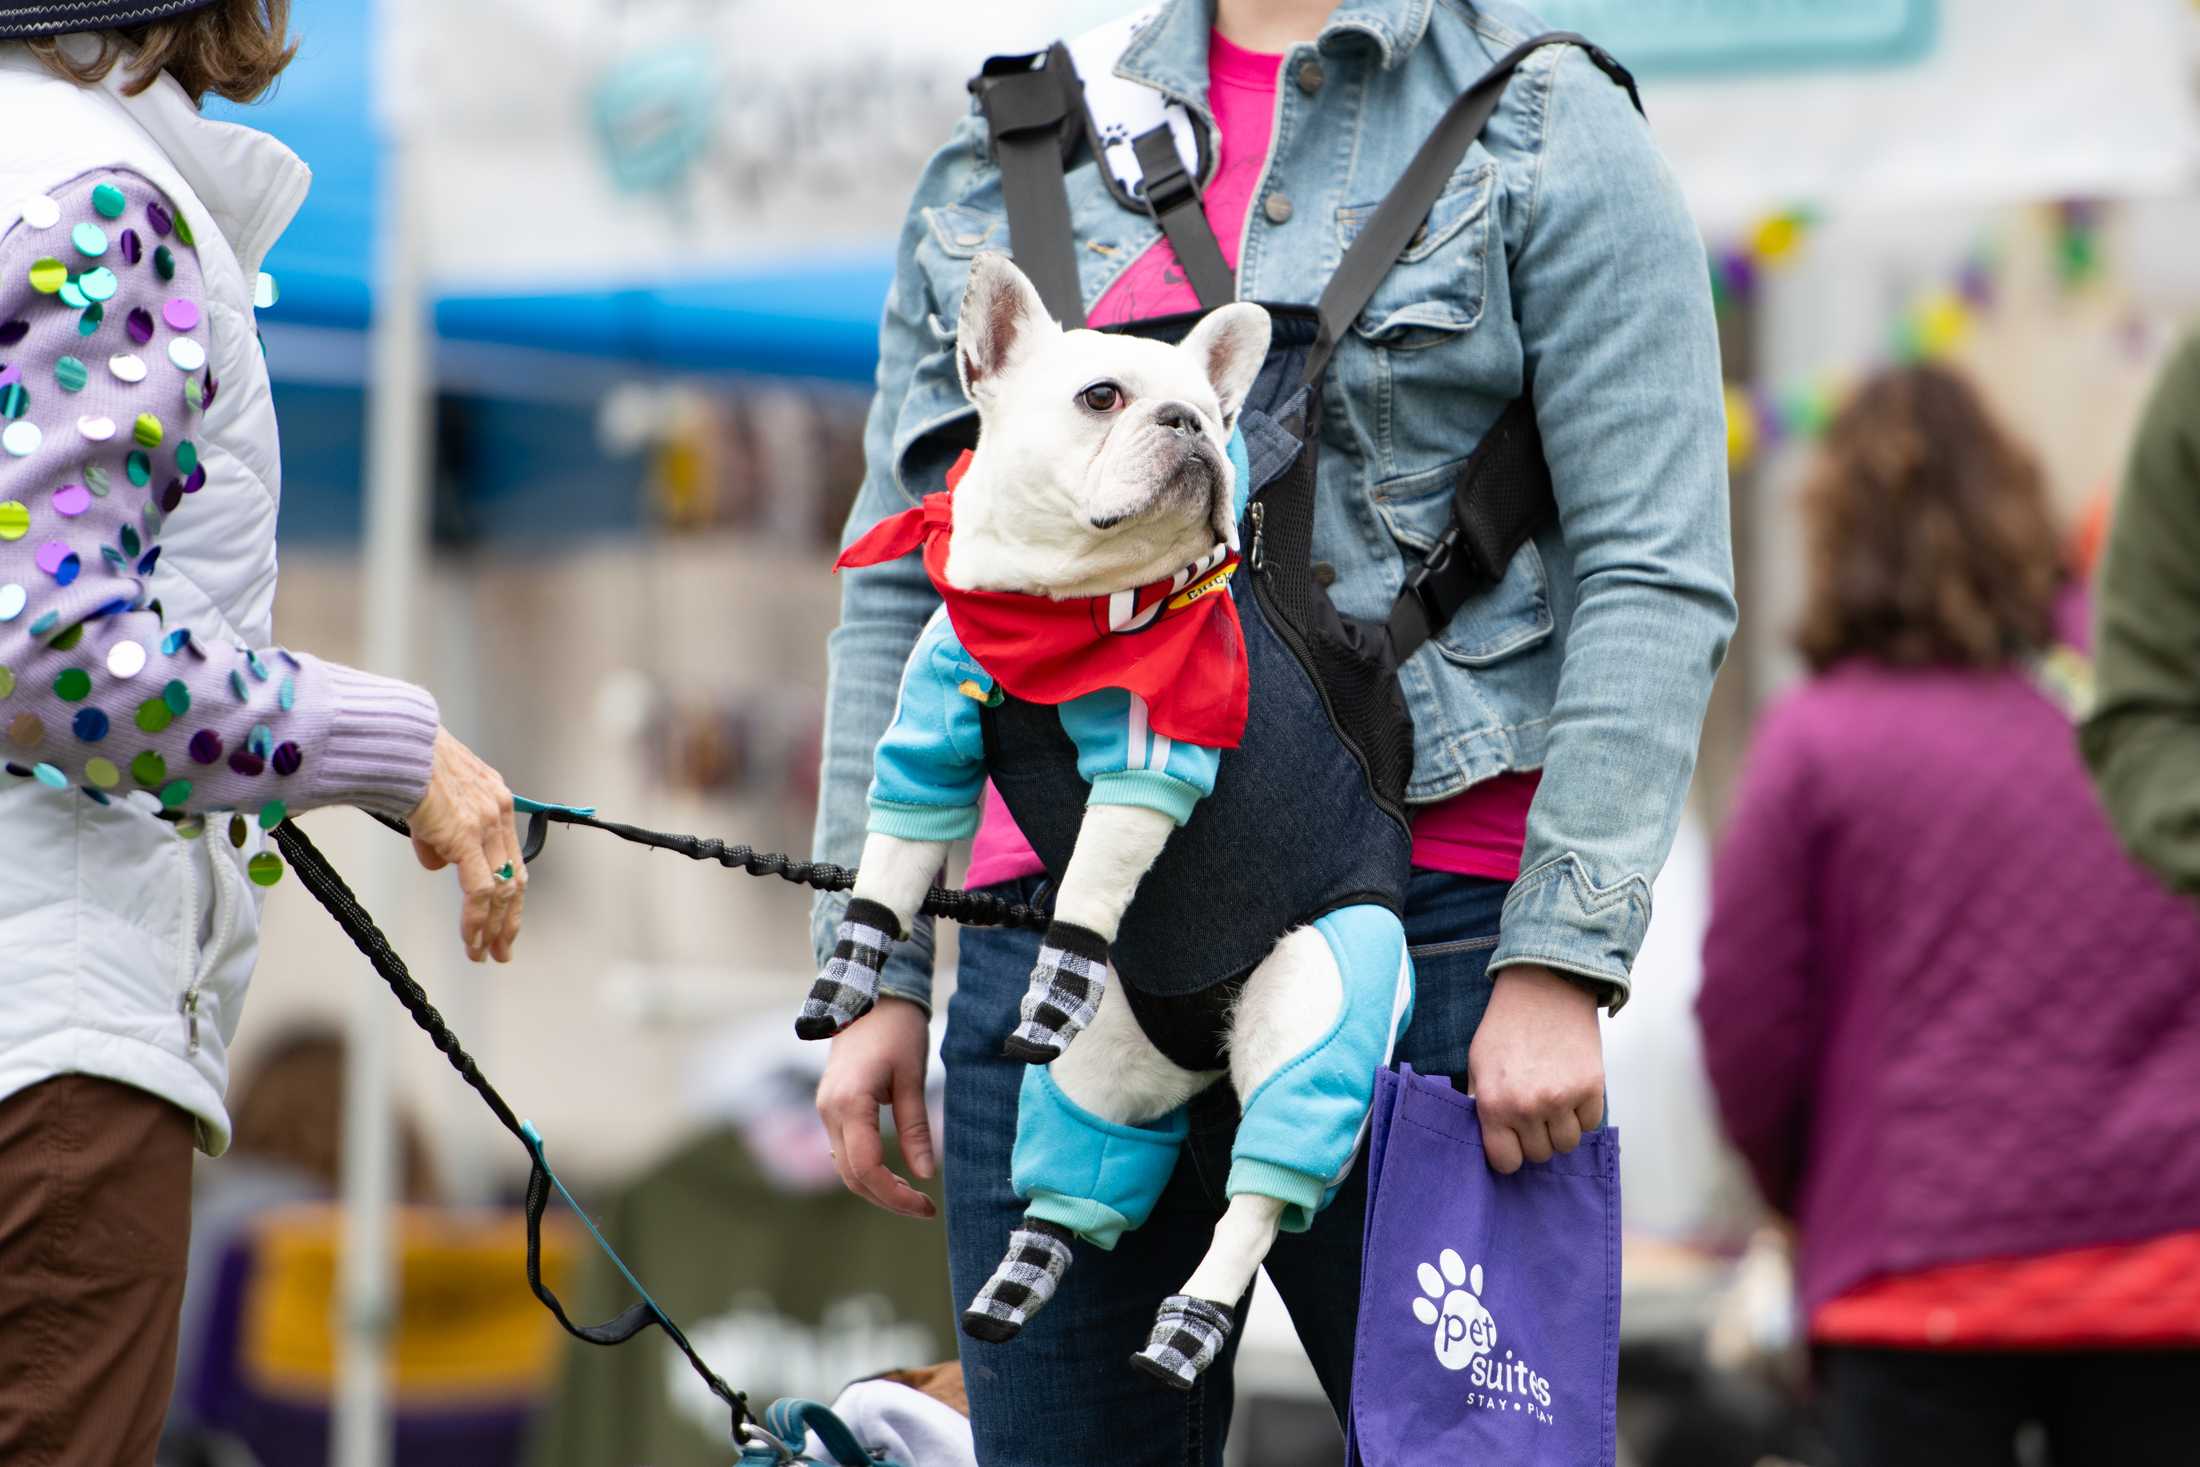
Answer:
[(1507, 618), (1418, 329)]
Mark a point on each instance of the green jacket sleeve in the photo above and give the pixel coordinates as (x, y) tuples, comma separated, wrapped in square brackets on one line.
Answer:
[(2143, 736)]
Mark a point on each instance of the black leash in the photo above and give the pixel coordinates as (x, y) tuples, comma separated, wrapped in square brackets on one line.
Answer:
[(969, 908), (973, 909), (329, 890)]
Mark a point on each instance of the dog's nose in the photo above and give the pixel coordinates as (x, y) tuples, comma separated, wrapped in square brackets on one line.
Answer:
[(1177, 417)]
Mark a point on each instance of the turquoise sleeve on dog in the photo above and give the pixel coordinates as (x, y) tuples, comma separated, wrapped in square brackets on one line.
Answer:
[(929, 772), (1241, 474), (1094, 1177), (1303, 1126), (1127, 763)]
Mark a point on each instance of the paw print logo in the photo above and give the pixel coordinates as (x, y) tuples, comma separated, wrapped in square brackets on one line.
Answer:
[(1114, 135), (1464, 1329)]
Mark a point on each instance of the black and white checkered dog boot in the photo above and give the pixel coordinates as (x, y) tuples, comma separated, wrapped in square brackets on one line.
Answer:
[(1038, 1256), (844, 992), (1066, 985), (1187, 1335)]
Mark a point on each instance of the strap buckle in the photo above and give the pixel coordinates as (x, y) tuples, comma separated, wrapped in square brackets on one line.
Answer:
[(1164, 184), (1420, 583)]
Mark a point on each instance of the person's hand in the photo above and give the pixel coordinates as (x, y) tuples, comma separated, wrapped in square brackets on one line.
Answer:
[(1536, 1067), (465, 820), (876, 1061)]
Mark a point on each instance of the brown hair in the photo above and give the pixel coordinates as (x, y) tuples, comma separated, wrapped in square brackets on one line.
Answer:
[(1929, 541), (291, 1110), (234, 48)]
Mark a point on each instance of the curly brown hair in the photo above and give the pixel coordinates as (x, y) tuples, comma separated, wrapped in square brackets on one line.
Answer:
[(234, 48), (1929, 541)]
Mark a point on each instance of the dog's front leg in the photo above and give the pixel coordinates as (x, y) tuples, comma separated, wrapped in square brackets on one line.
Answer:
[(1116, 846), (890, 889)]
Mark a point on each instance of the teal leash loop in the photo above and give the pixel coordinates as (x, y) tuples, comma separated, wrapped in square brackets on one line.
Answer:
[(328, 888)]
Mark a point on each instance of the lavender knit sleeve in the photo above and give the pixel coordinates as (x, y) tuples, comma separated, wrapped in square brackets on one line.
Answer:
[(105, 383)]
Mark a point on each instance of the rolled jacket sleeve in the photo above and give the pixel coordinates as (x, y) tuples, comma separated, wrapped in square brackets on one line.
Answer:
[(1615, 316), (883, 608)]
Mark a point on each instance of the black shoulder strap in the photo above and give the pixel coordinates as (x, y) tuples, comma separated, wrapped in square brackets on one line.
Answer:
[(1029, 102), (1391, 229), (1173, 197), (1503, 495)]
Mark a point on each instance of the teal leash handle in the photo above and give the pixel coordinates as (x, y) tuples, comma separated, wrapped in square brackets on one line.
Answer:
[(329, 889)]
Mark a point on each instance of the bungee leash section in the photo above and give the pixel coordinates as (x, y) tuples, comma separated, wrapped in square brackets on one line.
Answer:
[(768, 1441), (969, 908), (329, 889)]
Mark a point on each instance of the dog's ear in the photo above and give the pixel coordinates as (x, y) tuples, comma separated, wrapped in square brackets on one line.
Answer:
[(1002, 317), (1229, 345)]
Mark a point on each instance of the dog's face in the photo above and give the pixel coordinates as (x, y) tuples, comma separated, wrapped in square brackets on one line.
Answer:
[(1101, 460)]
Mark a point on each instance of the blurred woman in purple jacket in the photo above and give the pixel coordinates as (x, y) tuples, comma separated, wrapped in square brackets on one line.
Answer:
[(1954, 1031)]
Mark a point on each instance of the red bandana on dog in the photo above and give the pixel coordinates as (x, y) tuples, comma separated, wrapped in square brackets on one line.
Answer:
[(1176, 643)]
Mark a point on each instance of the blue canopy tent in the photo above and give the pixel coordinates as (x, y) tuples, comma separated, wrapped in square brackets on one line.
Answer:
[(815, 319), (528, 474)]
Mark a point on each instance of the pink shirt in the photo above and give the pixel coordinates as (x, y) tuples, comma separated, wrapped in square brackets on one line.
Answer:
[(1478, 833)]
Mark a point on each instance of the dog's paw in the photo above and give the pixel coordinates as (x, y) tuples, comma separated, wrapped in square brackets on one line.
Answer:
[(1038, 1255), (845, 991), (1188, 1334), (1066, 987)]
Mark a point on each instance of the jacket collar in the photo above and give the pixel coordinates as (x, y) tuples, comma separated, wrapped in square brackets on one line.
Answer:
[(1170, 52), (249, 184)]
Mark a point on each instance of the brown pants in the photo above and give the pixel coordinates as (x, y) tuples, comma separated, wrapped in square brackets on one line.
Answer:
[(95, 1219)]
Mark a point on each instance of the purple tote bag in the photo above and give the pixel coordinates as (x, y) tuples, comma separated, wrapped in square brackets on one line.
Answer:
[(1489, 1305)]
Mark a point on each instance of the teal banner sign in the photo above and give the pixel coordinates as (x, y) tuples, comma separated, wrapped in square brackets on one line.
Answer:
[(1745, 37)]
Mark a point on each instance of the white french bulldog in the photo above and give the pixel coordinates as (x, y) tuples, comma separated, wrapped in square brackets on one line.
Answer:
[(1101, 466)]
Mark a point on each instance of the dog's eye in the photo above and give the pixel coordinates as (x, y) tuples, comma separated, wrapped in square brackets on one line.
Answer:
[(1102, 397)]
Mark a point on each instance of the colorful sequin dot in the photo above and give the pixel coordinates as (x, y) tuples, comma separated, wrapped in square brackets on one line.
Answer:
[(12, 600), (181, 314), (71, 684), (71, 374), (147, 431), (22, 438), (265, 869), (90, 240), (90, 725), (40, 212), (48, 276), (7, 683), (102, 774), (71, 500), (127, 367), (186, 354), (126, 659), (98, 285), (109, 201), (15, 520), (149, 769), (96, 430)]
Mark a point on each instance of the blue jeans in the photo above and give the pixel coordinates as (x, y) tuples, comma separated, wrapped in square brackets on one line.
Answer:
[(1063, 1390)]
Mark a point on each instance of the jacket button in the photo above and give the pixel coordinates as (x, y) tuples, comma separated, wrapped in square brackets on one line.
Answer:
[(1325, 574), (1310, 77), (1278, 208)]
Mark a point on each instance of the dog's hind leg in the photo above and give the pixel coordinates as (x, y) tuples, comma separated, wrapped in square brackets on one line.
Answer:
[(1317, 1019), (890, 888), (1097, 1134), (1116, 846)]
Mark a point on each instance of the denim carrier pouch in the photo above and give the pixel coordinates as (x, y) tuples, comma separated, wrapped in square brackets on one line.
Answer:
[(1308, 813)]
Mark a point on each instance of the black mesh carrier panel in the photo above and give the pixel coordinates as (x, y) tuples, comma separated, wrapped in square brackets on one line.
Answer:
[(1308, 814)]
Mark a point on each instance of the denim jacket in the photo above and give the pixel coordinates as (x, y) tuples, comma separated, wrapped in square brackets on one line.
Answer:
[(1561, 255)]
